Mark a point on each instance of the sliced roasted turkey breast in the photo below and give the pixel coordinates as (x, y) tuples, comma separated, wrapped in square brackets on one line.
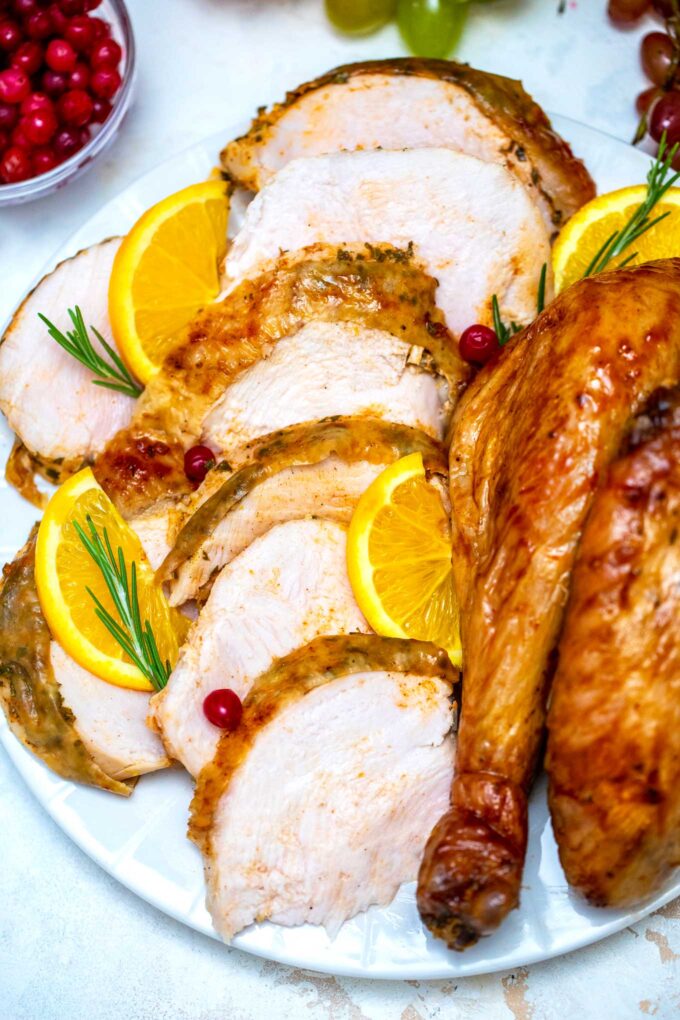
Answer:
[(47, 396), (111, 721), (286, 588), (377, 294), (318, 469), (319, 804), (328, 368), (414, 103), (471, 224)]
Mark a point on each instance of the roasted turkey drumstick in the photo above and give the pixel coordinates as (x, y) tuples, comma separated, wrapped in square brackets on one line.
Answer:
[(615, 776), (532, 437)]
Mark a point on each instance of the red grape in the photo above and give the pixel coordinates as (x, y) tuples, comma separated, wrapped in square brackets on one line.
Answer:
[(666, 117), (645, 100), (656, 56), (626, 12)]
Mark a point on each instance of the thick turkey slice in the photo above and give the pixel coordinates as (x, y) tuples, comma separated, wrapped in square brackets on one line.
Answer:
[(413, 104), (47, 396), (319, 804), (30, 694), (318, 469), (111, 721), (328, 368), (379, 290), (472, 224), (286, 588)]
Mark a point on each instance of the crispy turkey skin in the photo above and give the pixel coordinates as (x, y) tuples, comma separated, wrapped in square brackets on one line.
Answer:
[(532, 438), (614, 723)]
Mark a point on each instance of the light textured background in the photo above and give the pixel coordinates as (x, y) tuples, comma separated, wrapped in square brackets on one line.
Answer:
[(75, 944)]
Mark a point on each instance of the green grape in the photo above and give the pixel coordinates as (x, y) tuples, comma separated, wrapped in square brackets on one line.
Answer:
[(431, 28), (359, 17)]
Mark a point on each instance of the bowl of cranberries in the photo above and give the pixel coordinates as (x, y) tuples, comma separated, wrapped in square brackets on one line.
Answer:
[(66, 76)]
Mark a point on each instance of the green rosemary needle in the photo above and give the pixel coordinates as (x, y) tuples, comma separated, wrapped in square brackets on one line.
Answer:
[(503, 332), (658, 183), (76, 342), (136, 639)]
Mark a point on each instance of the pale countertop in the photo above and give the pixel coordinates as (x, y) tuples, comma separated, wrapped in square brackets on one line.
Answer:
[(73, 943)]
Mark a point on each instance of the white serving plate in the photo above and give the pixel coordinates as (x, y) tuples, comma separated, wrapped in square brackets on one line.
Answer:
[(141, 841)]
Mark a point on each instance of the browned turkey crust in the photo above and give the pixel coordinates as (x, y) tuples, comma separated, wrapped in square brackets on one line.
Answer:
[(29, 692), (288, 680), (348, 438), (535, 153), (380, 288), (614, 722), (532, 437)]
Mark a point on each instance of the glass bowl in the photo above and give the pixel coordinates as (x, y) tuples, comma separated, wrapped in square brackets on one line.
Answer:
[(115, 12)]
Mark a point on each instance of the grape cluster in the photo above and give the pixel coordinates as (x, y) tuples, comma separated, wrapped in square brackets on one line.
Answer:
[(430, 28), (659, 105)]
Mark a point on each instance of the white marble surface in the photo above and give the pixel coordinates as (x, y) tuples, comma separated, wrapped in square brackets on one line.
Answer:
[(73, 943)]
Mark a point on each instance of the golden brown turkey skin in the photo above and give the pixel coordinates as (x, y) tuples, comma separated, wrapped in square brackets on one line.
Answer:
[(532, 437), (614, 721)]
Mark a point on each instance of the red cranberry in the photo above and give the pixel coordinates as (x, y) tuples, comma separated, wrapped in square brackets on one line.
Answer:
[(28, 57), (71, 7), (20, 138), (44, 160), (25, 7), (197, 462), (223, 708), (54, 83), (8, 116), (60, 55), (58, 18), (68, 141), (80, 33), (37, 101), (75, 107), (102, 29), (10, 36), (14, 85), (665, 116), (79, 78), (101, 108), (105, 82), (39, 25), (478, 344), (91, 5), (39, 126), (106, 53), (15, 165)]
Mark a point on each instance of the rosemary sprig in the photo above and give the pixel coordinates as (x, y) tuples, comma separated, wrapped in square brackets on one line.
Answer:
[(658, 183), (136, 639), (540, 297), (503, 332), (77, 343)]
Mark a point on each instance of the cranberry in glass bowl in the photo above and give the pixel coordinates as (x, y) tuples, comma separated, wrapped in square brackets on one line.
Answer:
[(82, 73)]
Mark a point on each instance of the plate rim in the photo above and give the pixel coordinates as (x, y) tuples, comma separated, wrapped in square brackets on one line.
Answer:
[(37, 776)]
